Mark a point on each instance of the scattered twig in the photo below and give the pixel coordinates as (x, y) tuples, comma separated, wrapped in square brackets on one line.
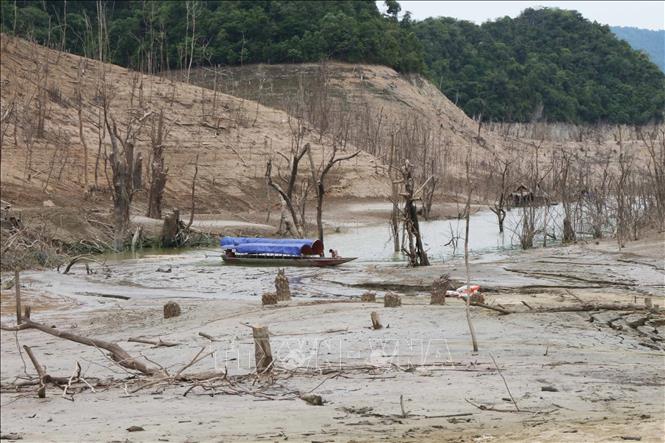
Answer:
[(505, 383)]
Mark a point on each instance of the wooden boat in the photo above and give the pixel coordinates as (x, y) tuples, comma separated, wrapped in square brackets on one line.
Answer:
[(283, 261), (250, 251)]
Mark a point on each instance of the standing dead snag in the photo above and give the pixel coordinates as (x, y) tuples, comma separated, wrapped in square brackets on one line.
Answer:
[(17, 288), (196, 172), (416, 253), (126, 169), (467, 213), (287, 197), (262, 351), (498, 208), (158, 171), (318, 177)]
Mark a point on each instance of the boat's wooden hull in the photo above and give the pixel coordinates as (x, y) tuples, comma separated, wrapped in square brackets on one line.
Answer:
[(318, 262)]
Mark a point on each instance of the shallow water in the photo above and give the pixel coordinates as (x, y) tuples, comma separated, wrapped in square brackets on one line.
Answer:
[(200, 273), (374, 244)]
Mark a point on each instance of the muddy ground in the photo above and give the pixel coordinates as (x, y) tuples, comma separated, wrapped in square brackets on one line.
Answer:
[(575, 376)]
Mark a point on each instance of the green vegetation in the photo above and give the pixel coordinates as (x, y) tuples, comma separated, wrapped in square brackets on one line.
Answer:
[(545, 64), (651, 42), (154, 36)]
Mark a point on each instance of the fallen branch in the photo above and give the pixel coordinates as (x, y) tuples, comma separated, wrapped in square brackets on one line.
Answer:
[(117, 353), (505, 383), (209, 337), (157, 343), (576, 308), (83, 257)]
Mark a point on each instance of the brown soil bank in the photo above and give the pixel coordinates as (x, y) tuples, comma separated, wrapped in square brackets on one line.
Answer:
[(54, 144), (43, 152)]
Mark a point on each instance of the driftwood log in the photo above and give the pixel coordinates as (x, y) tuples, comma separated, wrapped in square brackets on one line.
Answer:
[(585, 307), (117, 354)]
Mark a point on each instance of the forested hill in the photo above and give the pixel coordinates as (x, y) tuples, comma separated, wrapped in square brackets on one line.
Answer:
[(651, 42), (546, 64)]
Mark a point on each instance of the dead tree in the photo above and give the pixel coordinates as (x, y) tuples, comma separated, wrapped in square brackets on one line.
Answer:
[(126, 169), (467, 214), (287, 195), (193, 207), (84, 146), (158, 171), (654, 141), (394, 180), (498, 208), (429, 188), (318, 178), (416, 252), (565, 191)]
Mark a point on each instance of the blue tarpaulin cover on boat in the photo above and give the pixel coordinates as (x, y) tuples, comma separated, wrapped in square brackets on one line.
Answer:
[(269, 248), (284, 246)]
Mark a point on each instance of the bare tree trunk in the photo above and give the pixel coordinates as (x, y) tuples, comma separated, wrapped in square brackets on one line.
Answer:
[(126, 178), (416, 253), (196, 172), (318, 178), (467, 213), (17, 288), (159, 172)]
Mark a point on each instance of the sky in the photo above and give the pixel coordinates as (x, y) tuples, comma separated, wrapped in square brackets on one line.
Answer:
[(641, 14)]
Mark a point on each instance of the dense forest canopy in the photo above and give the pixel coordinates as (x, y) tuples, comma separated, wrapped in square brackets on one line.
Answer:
[(651, 42), (546, 64)]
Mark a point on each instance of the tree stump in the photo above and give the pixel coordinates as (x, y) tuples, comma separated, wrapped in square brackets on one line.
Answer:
[(282, 286), (392, 300), (171, 309), (269, 298), (477, 297), (170, 229), (262, 351), (376, 320), (438, 292), (437, 299), (368, 297)]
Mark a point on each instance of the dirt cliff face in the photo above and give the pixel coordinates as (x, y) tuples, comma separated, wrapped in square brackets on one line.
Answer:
[(43, 150)]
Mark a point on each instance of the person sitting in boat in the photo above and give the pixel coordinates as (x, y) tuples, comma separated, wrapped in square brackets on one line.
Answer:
[(334, 253)]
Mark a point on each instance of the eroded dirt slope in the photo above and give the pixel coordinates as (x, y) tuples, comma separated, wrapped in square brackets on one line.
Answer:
[(43, 153)]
